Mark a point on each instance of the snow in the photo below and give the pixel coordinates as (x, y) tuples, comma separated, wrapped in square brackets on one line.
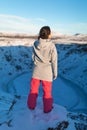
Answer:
[(35, 119), (73, 64), (69, 89)]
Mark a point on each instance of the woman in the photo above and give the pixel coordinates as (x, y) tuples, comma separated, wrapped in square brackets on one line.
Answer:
[(45, 69)]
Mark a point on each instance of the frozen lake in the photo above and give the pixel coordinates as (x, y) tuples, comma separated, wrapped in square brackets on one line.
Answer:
[(65, 92)]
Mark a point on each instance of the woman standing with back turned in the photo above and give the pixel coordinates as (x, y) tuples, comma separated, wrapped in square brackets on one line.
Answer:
[(45, 69)]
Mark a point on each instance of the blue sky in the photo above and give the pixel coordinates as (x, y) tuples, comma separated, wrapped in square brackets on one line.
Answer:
[(28, 16)]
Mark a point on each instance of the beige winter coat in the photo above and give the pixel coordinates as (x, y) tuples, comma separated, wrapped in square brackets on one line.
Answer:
[(45, 60)]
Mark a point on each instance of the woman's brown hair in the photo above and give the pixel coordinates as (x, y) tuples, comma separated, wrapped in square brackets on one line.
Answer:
[(44, 33)]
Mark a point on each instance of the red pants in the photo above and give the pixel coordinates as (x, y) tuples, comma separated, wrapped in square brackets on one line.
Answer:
[(47, 97)]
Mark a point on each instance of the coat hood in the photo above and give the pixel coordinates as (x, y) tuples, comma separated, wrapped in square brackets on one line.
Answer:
[(42, 43)]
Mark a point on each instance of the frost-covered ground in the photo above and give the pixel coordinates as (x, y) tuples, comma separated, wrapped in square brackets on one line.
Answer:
[(69, 89)]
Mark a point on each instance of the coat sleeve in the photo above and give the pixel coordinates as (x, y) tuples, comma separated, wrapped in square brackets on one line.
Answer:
[(33, 52), (54, 59)]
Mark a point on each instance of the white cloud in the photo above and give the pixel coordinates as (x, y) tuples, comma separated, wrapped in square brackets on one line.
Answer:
[(10, 23), (41, 20), (19, 24), (71, 28)]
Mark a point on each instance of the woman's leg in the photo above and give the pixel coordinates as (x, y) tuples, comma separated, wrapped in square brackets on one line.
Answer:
[(47, 96), (32, 97)]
